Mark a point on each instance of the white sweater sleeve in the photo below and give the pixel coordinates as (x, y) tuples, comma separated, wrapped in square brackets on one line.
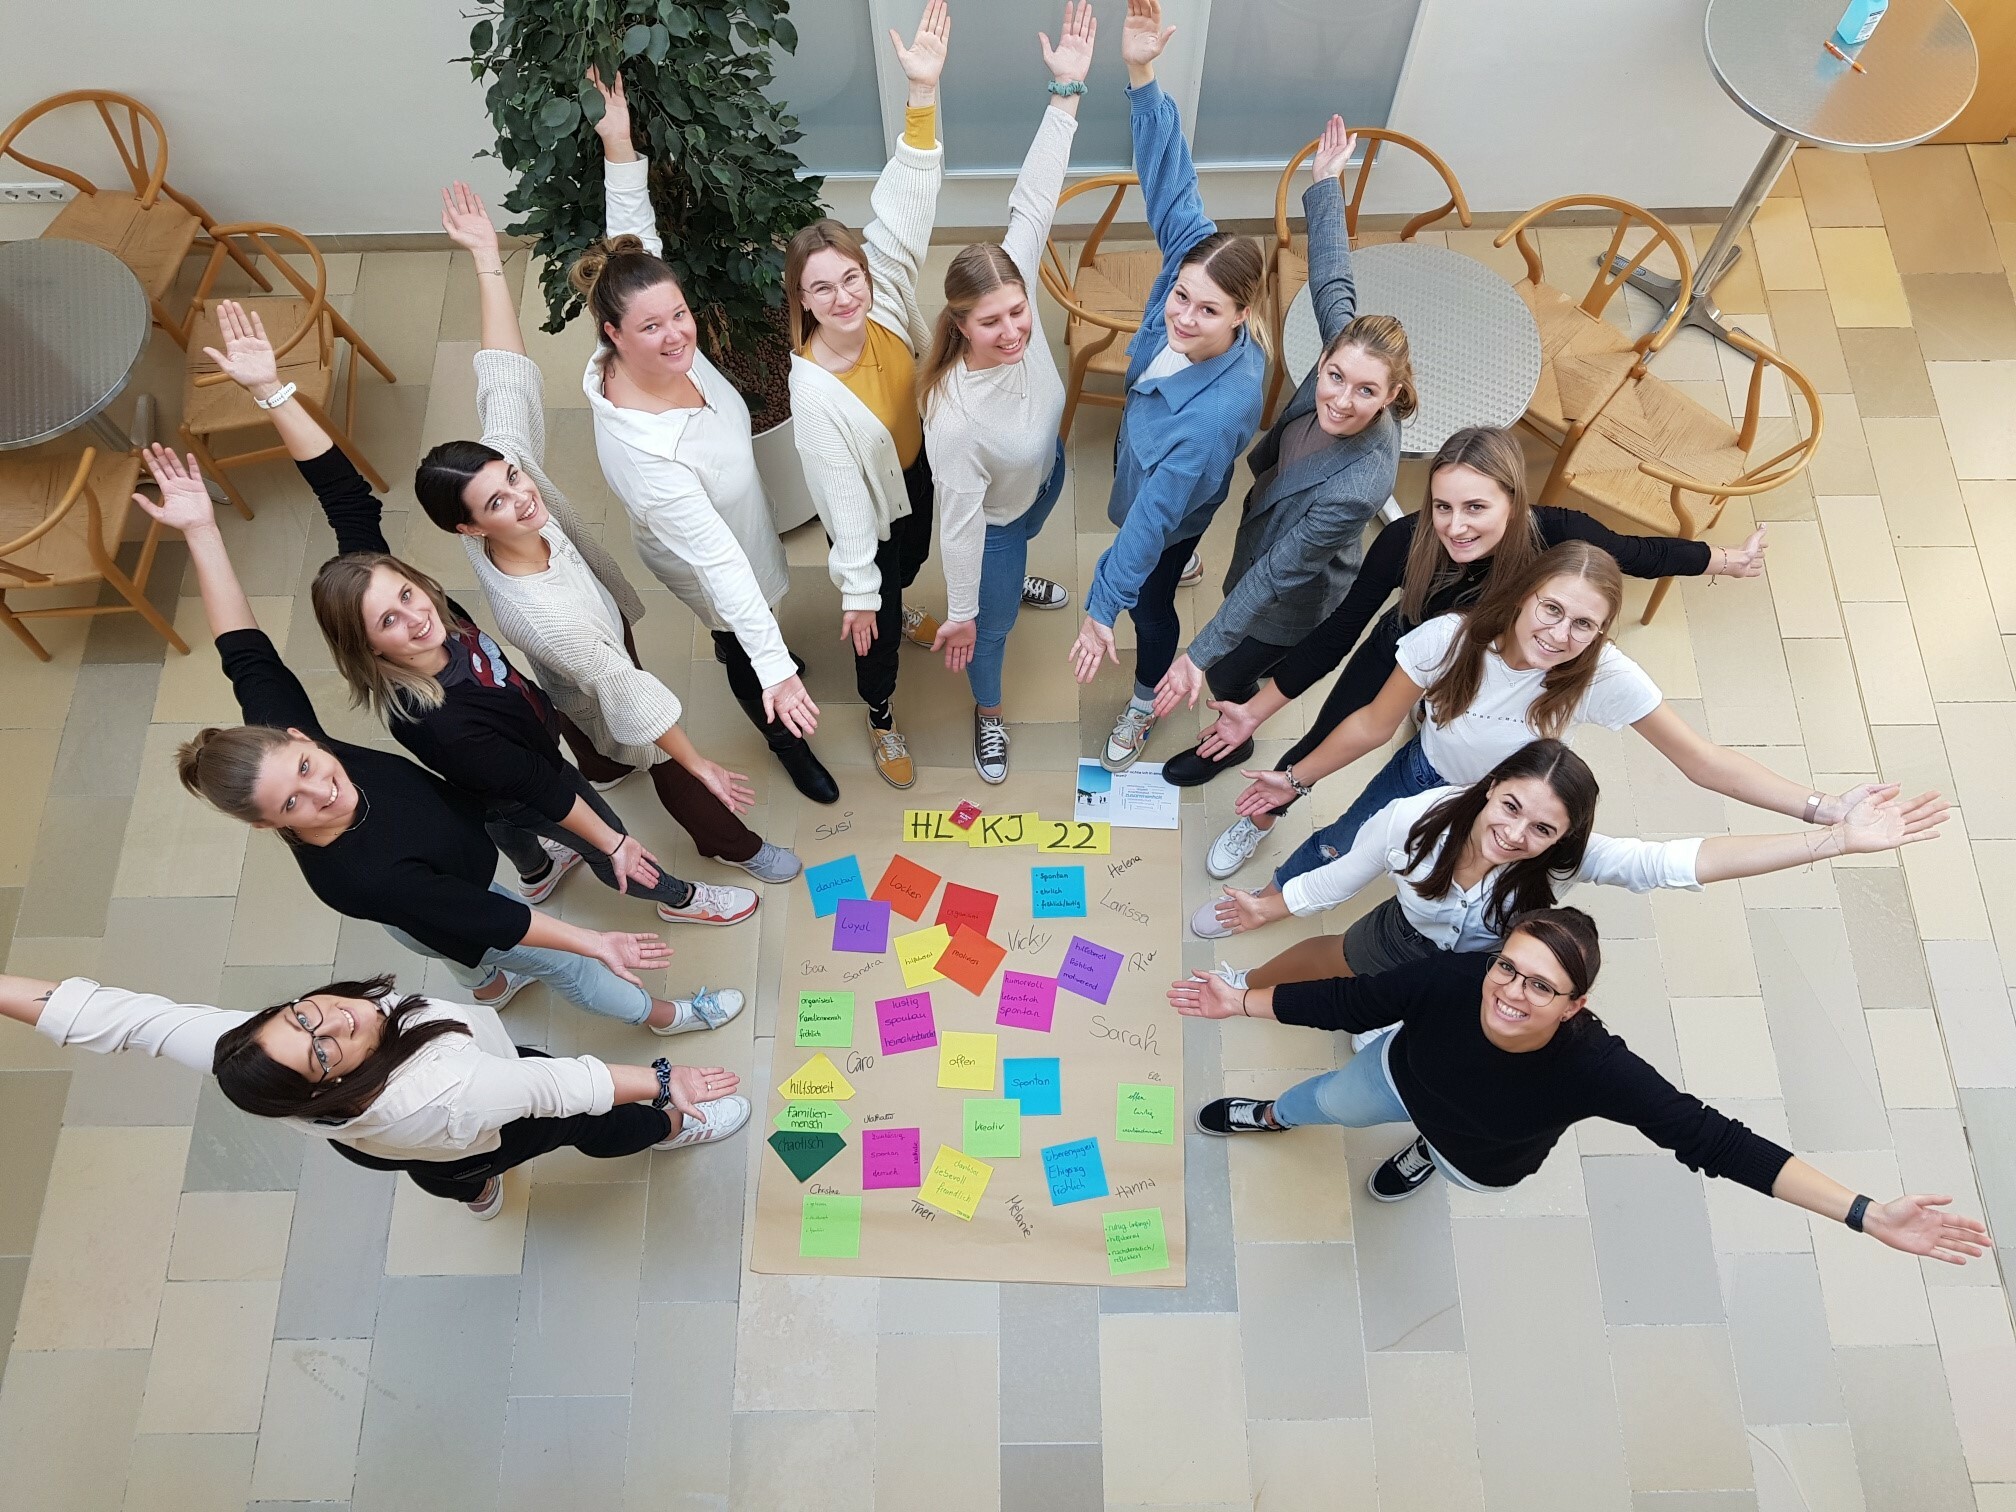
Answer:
[(104, 1019), (1335, 881), (839, 492), (626, 203), (1640, 865), (511, 404), (491, 1092), (904, 204), (1032, 203), (960, 481)]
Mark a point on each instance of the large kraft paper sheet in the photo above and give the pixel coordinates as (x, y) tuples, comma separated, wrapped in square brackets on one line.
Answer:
[(1132, 906)]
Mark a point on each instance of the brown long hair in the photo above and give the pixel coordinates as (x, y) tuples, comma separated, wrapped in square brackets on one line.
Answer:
[(1462, 670), (806, 240), (1383, 337), (389, 690), (1238, 266), (611, 273), (976, 272), (1495, 454), (1571, 938), (260, 1085), (222, 766), (1528, 883)]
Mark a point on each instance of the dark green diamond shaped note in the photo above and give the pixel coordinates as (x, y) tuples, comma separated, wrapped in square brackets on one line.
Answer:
[(805, 1153)]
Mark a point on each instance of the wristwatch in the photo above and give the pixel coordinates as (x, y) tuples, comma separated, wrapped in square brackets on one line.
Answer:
[(664, 1069)]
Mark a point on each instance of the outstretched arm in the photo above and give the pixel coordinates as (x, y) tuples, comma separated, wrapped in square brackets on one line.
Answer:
[(248, 360), (1366, 730), (22, 999), (185, 506), (1880, 821), (1734, 775), (1913, 1224), (466, 219)]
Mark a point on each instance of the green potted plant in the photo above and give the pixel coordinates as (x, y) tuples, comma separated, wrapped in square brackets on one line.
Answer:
[(727, 187)]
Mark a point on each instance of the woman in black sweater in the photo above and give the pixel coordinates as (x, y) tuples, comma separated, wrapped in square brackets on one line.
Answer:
[(375, 836), (1497, 1056)]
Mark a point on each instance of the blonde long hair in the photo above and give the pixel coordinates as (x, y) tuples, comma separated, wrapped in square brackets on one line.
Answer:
[(976, 272), (389, 690)]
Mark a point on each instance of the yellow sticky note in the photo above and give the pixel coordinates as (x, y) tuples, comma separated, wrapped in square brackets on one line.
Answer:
[(917, 953), (992, 831), (1079, 836), (929, 826), (818, 1080), (955, 1183), (966, 1060)]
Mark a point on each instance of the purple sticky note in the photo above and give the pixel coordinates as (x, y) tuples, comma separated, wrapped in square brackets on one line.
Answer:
[(1027, 1001), (891, 1158), (861, 925), (906, 1023), (1089, 970)]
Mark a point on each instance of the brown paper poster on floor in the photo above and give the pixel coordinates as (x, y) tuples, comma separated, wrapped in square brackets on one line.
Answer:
[(1119, 1064)]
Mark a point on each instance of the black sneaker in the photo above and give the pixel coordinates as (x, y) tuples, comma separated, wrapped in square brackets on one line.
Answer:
[(1404, 1174), (1236, 1115), (1188, 769)]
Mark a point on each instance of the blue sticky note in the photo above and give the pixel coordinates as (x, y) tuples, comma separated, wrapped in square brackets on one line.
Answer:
[(1075, 1171), (1033, 1082), (1057, 892), (831, 881)]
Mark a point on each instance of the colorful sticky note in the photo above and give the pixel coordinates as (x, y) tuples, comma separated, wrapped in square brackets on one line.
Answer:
[(1034, 1082), (1075, 1171), (805, 1153), (1089, 970), (906, 887), (906, 1023), (931, 826), (829, 1227), (1057, 892), (1028, 1001), (966, 905), (965, 814), (955, 1182), (1146, 1114), (818, 1080), (1077, 836), (812, 1118), (971, 960), (998, 830), (917, 953), (966, 1060), (1135, 1242), (861, 925), (826, 1018), (830, 881), (993, 1127), (890, 1158)]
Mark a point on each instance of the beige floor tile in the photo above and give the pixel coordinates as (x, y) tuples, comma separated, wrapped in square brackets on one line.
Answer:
[(908, 1306), (315, 1391), (1859, 549), (1945, 891), (1955, 621), (1553, 1191), (1910, 1057), (397, 309), (1830, 704), (562, 358), (805, 1344), (1773, 397), (1994, 165), (1975, 1016), (1785, 246), (1676, 1394), (1976, 400), (38, 692), (1979, 1352), (1921, 493), (1978, 740), (433, 1237), (208, 1372), (231, 1236), (814, 1461), (1725, 1048), (181, 1472), (193, 689), (1932, 210), (1873, 1294), (1887, 371), (1744, 685), (1991, 511), (1862, 279), (1804, 322), (1888, 664), (1705, 943), (1841, 463), (1314, 1464), (1664, 648), (1425, 1433), (278, 921), (1803, 1466), (177, 846), (66, 1426), (1802, 588), (936, 1394), (29, 759), (1836, 189), (1963, 317), (1172, 1391), (1740, 291)]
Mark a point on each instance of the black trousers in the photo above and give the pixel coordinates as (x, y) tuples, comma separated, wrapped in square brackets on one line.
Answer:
[(898, 559), (748, 690), (1235, 676), (1359, 683), (625, 1129), (1157, 628)]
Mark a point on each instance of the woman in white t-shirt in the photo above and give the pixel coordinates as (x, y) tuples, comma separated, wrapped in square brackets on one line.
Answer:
[(1533, 658)]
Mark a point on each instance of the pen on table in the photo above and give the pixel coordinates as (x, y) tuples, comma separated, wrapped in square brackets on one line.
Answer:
[(1844, 57)]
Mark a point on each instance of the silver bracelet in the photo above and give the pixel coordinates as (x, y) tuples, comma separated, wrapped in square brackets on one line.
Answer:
[(1302, 789)]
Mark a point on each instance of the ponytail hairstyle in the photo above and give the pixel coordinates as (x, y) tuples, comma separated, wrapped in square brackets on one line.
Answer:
[(222, 767), (1384, 338), (976, 272), (1462, 670), (1570, 937), (820, 236), (611, 273), (387, 689), (1495, 454), (1237, 265), (263, 1087), (1529, 883)]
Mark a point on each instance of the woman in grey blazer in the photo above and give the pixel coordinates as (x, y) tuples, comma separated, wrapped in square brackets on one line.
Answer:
[(1318, 477)]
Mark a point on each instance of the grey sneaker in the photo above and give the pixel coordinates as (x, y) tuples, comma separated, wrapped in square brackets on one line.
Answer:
[(1193, 572), (990, 747), (1041, 593), (1129, 738), (712, 904), (1206, 925), (514, 983), (1233, 976), (1234, 848), (561, 859), (772, 863), (706, 1009), (490, 1202)]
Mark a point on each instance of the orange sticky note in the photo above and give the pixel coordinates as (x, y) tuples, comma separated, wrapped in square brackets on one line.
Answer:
[(906, 887), (971, 960)]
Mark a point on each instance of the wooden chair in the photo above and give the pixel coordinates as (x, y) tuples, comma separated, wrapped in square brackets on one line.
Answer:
[(1102, 298), (1652, 447), (213, 405), (153, 226), (46, 541), (1288, 269), (1584, 359)]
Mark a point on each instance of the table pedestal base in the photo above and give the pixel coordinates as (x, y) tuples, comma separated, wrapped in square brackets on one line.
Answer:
[(1703, 313)]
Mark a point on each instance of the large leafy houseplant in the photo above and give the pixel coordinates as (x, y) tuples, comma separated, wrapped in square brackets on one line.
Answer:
[(727, 188)]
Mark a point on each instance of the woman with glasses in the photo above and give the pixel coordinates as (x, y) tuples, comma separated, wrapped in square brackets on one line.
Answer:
[(1533, 659), (1497, 1055), (399, 1082)]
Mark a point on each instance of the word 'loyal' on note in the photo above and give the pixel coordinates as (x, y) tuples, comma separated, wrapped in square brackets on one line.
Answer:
[(818, 1080), (1057, 892), (1034, 1082), (826, 1018), (906, 887), (1075, 1171), (830, 881), (861, 925), (1135, 1242), (1089, 970), (956, 1183), (1028, 1001), (891, 1158), (906, 1023), (829, 1227)]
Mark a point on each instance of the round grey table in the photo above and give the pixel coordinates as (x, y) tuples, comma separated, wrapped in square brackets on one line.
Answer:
[(1768, 57), (73, 323)]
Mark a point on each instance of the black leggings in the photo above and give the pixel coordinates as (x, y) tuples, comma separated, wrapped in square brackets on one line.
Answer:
[(898, 559)]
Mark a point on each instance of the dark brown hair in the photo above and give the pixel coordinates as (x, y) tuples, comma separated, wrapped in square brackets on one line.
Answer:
[(1495, 454), (1570, 937), (444, 473), (611, 273)]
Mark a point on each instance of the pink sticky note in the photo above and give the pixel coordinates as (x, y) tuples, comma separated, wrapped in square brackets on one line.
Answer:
[(965, 814), (1089, 970), (861, 925), (1027, 1001), (906, 1023), (890, 1158)]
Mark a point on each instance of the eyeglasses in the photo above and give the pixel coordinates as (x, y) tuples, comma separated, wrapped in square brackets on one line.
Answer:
[(1538, 990), (855, 282), (1549, 613), (328, 1054)]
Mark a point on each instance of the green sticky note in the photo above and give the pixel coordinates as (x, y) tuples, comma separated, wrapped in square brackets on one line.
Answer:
[(1135, 1242), (826, 1018), (830, 1227), (805, 1153), (812, 1118), (1147, 1115), (993, 1127)]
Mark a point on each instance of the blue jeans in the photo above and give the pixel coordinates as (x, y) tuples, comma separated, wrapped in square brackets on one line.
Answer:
[(1406, 774), (1357, 1094), (1003, 563), (582, 980)]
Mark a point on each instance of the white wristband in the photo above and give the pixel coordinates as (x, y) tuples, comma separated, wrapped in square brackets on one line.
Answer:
[(277, 398)]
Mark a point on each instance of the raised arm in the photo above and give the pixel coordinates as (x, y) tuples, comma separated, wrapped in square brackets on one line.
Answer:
[(247, 359), (1161, 155), (466, 219), (904, 202), (79, 1012), (626, 192), (1032, 203), (1744, 778), (185, 506), (1331, 289)]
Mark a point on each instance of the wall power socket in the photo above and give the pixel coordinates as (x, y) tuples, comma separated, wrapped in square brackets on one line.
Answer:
[(35, 194)]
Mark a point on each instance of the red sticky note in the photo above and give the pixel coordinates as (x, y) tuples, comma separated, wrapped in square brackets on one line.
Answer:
[(968, 906), (906, 887), (965, 814), (971, 960)]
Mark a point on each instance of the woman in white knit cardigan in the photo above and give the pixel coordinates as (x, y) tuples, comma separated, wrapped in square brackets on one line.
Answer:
[(856, 331)]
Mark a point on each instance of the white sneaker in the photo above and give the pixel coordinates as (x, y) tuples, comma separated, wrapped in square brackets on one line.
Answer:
[(1129, 738), (564, 858), (712, 904), (613, 782), (1232, 976), (1041, 593), (718, 1119), (1234, 848), (491, 1202), (990, 747), (1193, 572), (1205, 923), (706, 1009), (513, 985)]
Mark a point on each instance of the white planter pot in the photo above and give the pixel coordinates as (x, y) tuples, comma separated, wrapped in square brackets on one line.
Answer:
[(783, 477)]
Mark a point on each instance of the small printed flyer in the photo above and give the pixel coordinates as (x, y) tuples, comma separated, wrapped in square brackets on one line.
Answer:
[(1137, 798)]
